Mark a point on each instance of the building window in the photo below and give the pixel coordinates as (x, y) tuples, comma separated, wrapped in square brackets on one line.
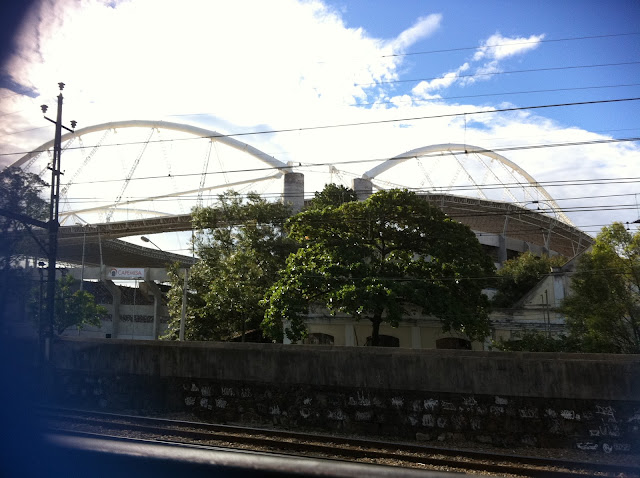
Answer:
[(453, 343), (385, 341), (318, 338)]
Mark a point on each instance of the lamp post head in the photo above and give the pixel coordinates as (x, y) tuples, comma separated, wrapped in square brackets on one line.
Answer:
[(61, 86), (44, 108), (145, 239)]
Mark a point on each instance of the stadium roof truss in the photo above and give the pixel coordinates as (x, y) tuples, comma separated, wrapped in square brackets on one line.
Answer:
[(275, 168), (550, 228), (450, 149)]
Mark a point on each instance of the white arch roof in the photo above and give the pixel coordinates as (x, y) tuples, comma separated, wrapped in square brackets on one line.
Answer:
[(466, 148), (185, 128)]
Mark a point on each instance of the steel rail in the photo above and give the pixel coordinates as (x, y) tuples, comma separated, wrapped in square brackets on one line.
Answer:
[(153, 457), (344, 447)]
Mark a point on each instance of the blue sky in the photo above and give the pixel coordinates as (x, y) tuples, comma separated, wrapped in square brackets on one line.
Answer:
[(468, 23), (252, 66)]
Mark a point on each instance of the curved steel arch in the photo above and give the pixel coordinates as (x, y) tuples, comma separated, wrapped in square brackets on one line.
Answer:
[(185, 128), (466, 148)]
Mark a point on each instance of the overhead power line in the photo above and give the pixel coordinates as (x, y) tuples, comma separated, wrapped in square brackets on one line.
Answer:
[(506, 93), (551, 40), (309, 194), (22, 131), (570, 209), (373, 122), (440, 116), (399, 158), (494, 73), (546, 184)]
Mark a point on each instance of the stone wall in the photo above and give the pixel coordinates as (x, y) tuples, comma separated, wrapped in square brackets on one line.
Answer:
[(590, 402)]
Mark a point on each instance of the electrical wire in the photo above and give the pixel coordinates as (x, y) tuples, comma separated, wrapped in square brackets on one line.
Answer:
[(397, 158), (361, 123), (494, 73), (551, 40), (613, 271), (308, 194), (440, 98), (22, 131), (506, 93), (609, 271)]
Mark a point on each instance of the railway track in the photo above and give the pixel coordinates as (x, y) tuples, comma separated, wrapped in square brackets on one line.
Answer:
[(324, 446)]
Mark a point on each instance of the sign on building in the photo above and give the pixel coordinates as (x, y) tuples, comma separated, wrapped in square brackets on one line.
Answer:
[(126, 273)]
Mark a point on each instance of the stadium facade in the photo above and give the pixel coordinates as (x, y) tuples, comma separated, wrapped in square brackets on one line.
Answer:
[(505, 229)]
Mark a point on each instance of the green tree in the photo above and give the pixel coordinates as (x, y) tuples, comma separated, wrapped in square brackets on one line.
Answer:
[(241, 245), (372, 259), (533, 341), (518, 276), (20, 194), (332, 196), (603, 309), (73, 307)]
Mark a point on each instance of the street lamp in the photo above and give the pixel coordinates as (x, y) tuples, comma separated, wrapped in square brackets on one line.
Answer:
[(183, 313), (146, 239)]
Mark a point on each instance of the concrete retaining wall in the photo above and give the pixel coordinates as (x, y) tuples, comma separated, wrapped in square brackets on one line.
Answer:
[(561, 400)]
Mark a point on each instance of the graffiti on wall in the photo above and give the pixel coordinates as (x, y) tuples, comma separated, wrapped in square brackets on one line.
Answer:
[(593, 426)]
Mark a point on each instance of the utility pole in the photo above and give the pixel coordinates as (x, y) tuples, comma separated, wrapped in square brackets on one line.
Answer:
[(53, 219)]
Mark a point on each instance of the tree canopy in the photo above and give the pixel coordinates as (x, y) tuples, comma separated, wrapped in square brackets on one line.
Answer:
[(73, 307), (535, 341), (518, 276), (20, 194), (603, 309), (332, 195), (373, 259), (242, 245)]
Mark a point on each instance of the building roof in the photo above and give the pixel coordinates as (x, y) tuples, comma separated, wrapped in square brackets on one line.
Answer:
[(515, 222)]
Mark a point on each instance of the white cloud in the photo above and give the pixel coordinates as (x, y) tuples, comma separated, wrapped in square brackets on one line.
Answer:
[(263, 65), (493, 50), (424, 27), (498, 47), (482, 73), (424, 88), (202, 57)]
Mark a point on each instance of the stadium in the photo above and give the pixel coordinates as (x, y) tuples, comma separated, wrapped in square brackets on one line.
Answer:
[(103, 216)]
